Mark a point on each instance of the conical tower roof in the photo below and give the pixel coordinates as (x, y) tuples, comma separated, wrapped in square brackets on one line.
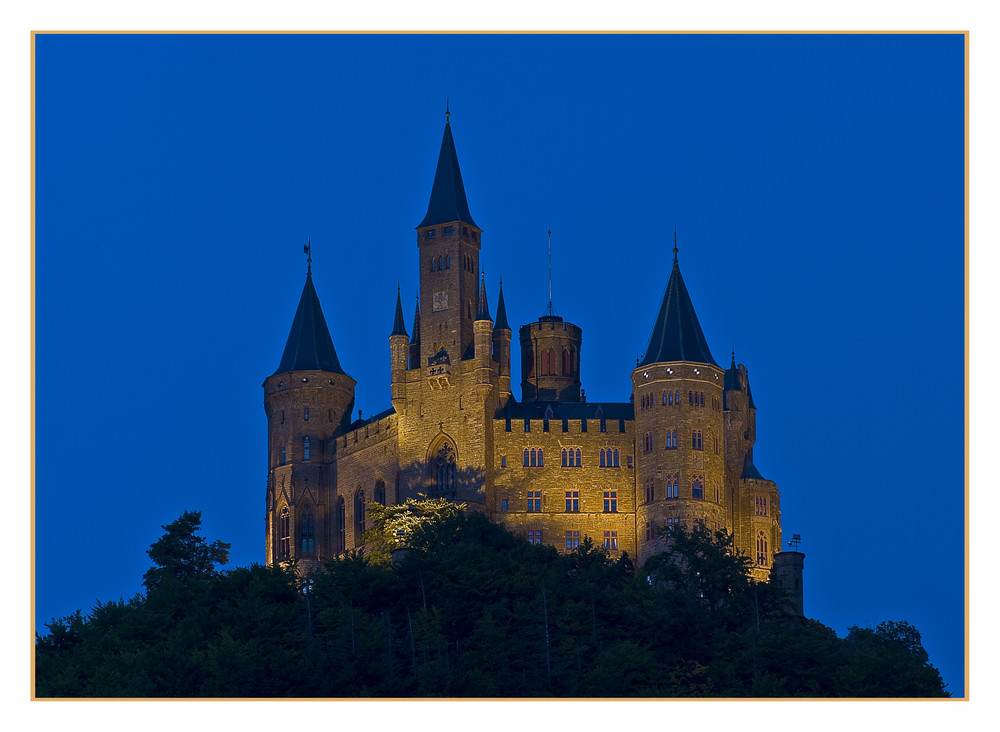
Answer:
[(483, 312), (448, 202), (501, 321), (309, 346), (398, 326), (416, 323), (677, 335)]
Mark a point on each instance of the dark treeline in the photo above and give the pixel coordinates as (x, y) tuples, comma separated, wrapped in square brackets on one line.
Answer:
[(470, 611)]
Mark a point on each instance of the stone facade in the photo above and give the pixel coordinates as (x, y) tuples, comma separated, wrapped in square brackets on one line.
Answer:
[(551, 466)]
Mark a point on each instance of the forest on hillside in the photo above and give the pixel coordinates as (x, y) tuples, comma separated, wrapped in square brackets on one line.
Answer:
[(467, 609)]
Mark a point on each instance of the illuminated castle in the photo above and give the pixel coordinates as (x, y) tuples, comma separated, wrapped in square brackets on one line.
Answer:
[(550, 465)]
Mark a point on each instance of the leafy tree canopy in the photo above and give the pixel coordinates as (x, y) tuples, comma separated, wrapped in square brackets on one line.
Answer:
[(182, 553), (394, 527)]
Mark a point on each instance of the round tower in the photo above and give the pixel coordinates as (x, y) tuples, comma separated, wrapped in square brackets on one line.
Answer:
[(501, 348), (677, 392), (399, 352), (307, 399), (550, 360)]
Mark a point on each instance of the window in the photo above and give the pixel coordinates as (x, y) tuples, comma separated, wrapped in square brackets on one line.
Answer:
[(573, 501), (526, 456), (630, 461), (503, 461), (677, 397), (380, 492), (671, 439), (444, 473), (449, 229), (305, 416), (673, 521), (340, 545), (503, 505), (664, 399), (307, 531), (647, 442), (572, 457), (650, 490), (565, 363), (761, 505), (572, 539), (690, 397), (650, 530), (610, 501), (565, 458), (534, 457), (284, 535), (578, 463), (696, 440), (673, 482), (447, 265), (305, 448), (359, 516), (534, 537), (282, 416), (610, 539), (429, 234), (697, 488), (284, 453), (701, 395), (669, 399), (534, 501), (762, 549), (602, 463), (699, 524)]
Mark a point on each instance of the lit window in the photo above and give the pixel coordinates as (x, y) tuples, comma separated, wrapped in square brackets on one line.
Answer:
[(534, 501), (572, 539), (610, 501), (610, 539), (762, 549), (573, 501), (534, 537)]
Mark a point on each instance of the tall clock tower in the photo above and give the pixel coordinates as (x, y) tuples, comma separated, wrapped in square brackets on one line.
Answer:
[(448, 240)]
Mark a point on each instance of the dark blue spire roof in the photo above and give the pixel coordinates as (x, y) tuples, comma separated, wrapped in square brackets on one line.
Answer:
[(749, 469), (676, 333), (398, 326), (483, 313), (309, 346), (416, 323), (501, 321), (448, 202)]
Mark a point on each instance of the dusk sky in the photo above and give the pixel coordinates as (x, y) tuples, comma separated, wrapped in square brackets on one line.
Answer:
[(816, 186)]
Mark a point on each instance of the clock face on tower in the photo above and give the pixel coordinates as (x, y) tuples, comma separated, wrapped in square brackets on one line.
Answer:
[(440, 301)]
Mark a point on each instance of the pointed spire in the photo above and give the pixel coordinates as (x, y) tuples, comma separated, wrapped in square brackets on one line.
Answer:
[(677, 335), (309, 346), (732, 375), (448, 202), (398, 326), (501, 321), (484, 304), (416, 323)]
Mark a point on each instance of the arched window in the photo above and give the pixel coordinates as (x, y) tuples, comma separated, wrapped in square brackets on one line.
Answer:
[(578, 463), (359, 516), (566, 368), (672, 486), (602, 458), (697, 488), (439, 264), (617, 457), (762, 549), (307, 531), (444, 471), (433, 264), (284, 453), (664, 399), (284, 534), (340, 545), (305, 448), (447, 262), (380, 491), (677, 397), (526, 463), (541, 458), (565, 462)]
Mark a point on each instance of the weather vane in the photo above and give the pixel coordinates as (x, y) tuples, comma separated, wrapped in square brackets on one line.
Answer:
[(796, 540), (307, 249)]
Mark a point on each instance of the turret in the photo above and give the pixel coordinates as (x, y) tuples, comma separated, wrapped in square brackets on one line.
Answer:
[(415, 340), (483, 332), (307, 399), (501, 348), (399, 348)]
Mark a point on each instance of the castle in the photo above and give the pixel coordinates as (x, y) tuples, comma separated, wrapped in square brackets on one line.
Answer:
[(550, 466)]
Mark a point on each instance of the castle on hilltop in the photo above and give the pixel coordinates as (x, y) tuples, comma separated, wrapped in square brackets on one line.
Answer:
[(550, 465)]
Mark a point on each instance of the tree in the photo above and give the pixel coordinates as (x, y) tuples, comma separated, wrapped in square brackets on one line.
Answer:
[(182, 553), (393, 527)]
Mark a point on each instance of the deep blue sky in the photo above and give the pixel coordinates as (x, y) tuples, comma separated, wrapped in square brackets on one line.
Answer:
[(816, 183)]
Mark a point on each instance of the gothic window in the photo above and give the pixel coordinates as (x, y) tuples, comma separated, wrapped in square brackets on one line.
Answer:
[(529, 362), (696, 440), (610, 539), (359, 516), (673, 482), (380, 492), (617, 458), (572, 539), (527, 455), (677, 397), (548, 363), (602, 458), (340, 542), (447, 262), (444, 471), (697, 488), (650, 530), (664, 399), (761, 549), (572, 501), (671, 439), (433, 264), (305, 415), (305, 448), (610, 501), (699, 524), (761, 505), (649, 490), (647, 442), (534, 501), (284, 534), (534, 537), (702, 397), (578, 458), (439, 263), (565, 458), (284, 453), (307, 531)]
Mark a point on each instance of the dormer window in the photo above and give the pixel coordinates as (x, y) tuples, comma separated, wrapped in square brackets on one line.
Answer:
[(449, 229), (429, 234)]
